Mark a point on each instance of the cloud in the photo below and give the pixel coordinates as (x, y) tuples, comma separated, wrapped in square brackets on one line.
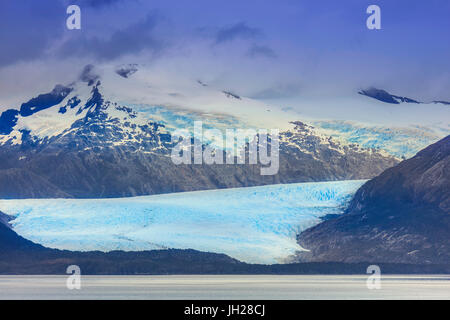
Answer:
[(89, 75), (28, 28), (242, 49), (37, 30), (286, 90), (131, 40), (261, 51), (237, 31)]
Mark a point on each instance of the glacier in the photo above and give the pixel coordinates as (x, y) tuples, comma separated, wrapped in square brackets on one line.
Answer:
[(398, 141), (253, 224)]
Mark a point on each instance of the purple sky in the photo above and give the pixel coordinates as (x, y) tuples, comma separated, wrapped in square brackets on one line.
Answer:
[(263, 49)]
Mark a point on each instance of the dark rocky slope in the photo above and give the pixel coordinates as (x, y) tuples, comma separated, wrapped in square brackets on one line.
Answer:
[(402, 216)]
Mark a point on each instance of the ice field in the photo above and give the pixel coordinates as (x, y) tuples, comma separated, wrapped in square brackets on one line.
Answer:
[(256, 225)]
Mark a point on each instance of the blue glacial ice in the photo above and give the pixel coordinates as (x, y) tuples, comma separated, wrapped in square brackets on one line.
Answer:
[(398, 141), (255, 225)]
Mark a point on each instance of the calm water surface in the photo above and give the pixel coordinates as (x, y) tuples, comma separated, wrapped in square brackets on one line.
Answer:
[(225, 287)]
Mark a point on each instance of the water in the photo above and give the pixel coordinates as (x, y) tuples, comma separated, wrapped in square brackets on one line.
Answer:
[(257, 287)]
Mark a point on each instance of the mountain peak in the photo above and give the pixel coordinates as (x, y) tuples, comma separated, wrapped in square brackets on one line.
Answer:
[(384, 96)]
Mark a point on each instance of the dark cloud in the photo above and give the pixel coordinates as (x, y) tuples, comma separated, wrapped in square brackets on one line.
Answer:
[(127, 70), (238, 31), (28, 27), (31, 29), (89, 75), (130, 40), (261, 51)]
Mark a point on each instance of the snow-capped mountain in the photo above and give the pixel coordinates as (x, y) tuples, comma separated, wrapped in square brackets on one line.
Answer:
[(109, 134), (374, 118)]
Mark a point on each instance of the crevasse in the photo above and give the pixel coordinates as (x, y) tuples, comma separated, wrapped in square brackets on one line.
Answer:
[(255, 225)]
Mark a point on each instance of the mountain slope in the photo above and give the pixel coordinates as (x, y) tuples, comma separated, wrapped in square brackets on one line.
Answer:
[(78, 141), (403, 215)]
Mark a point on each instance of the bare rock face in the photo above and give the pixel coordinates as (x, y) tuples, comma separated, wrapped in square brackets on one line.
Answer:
[(402, 216)]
